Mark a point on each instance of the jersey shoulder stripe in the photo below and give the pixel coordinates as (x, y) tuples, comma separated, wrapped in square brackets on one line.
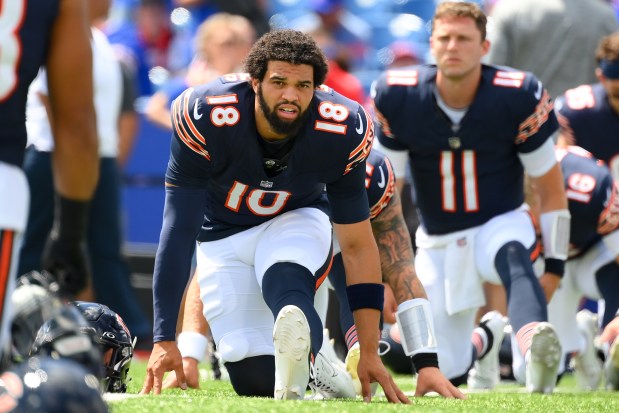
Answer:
[(361, 152), (184, 125)]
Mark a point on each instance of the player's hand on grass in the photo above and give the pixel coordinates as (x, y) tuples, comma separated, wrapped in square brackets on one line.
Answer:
[(192, 375), (371, 369), (164, 357), (430, 379)]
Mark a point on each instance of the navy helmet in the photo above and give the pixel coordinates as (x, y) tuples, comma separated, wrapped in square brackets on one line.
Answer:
[(114, 340), (34, 301), (67, 334)]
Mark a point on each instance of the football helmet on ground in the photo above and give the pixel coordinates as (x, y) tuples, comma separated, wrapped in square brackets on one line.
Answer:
[(114, 340)]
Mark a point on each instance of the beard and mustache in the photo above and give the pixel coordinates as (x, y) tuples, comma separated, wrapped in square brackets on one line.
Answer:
[(279, 125)]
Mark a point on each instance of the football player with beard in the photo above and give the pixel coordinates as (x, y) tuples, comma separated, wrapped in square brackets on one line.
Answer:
[(398, 272), (250, 158)]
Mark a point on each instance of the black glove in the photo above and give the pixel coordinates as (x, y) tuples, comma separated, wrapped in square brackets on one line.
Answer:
[(65, 252)]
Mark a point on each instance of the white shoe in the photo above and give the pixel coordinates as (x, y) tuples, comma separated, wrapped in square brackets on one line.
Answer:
[(328, 351), (485, 373), (611, 367), (542, 360), (330, 380), (291, 338), (587, 365)]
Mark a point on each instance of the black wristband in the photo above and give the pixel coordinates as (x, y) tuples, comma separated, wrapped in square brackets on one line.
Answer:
[(368, 295), (555, 266), (70, 218), (422, 360)]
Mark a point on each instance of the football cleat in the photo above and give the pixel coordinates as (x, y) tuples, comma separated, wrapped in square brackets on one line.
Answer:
[(328, 351), (611, 367), (291, 338), (330, 380), (485, 373), (542, 360), (587, 365)]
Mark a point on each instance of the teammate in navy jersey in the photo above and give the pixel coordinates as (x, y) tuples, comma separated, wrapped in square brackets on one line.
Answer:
[(592, 268), (55, 34), (396, 259), (250, 159), (470, 131), (589, 114)]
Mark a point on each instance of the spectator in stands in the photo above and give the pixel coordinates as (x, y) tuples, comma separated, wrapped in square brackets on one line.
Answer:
[(221, 44), (338, 78), (143, 41), (351, 34)]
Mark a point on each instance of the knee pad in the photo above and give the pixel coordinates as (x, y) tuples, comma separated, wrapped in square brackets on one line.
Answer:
[(233, 347)]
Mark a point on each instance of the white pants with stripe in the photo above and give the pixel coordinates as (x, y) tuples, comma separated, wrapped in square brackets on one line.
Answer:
[(230, 273), (14, 204)]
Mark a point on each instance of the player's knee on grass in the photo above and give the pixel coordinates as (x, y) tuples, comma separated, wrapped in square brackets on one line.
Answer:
[(253, 376)]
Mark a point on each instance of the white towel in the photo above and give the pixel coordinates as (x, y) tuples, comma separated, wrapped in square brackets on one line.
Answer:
[(463, 286)]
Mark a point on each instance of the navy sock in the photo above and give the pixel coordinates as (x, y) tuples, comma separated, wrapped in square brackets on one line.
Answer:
[(337, 276), (526, 301), (607, 279), (286, 283)]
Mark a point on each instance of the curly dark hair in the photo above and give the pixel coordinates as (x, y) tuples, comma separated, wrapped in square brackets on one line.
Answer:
[(289, 46)]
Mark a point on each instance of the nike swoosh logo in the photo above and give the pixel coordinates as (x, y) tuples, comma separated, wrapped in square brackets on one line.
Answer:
[(381, 183), (196, 115), (360, 128), (538, 92)]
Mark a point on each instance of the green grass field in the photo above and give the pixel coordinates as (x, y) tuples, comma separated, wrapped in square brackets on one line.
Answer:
[(218, 396)]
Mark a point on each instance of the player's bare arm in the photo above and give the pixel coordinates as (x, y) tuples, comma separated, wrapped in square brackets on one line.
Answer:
[(76, 157), (361, 261), (396, 252)]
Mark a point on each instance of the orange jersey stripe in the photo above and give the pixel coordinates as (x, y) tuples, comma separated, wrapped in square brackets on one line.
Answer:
[(177, 120), (196, 134), (6, 256)]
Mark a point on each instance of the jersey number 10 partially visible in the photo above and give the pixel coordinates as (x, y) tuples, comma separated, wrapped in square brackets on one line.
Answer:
[(11, 17)]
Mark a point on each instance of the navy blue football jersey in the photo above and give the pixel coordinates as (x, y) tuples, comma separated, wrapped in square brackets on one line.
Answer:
[(379, 182), (25, 27), (463, 176), (216, 146), (586, 116), (593, 198)]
